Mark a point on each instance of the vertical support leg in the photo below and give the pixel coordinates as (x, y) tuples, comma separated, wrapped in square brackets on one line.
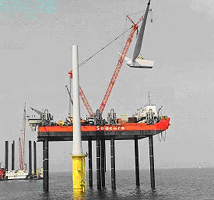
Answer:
[(103, 162), (13, 153), (151, 156), (113, 181), (98, 165), (136, 162), (105, 157), (30, 159), (45, 165), (6, 155), (34, 147), (90, 163)]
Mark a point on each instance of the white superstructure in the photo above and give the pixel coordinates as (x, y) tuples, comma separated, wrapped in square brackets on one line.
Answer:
[(17, 174)]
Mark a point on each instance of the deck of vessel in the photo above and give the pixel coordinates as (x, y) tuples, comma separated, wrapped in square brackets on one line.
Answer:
[(126, 131)]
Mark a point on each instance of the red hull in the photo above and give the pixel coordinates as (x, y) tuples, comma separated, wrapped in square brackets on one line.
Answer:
[(162, 125), (2, 173)]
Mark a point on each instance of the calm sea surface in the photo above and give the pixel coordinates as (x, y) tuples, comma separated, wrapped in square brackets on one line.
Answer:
[(171, 184)]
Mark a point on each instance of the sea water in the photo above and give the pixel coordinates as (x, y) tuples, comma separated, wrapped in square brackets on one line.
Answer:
[(171, 184)]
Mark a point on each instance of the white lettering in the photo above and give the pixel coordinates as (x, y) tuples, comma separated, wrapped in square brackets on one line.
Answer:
[(98, 128)]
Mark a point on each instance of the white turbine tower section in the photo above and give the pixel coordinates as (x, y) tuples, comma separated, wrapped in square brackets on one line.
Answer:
[(77, 142)]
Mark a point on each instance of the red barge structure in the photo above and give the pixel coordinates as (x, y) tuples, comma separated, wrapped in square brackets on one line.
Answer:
[(124, 131), (100, 130)]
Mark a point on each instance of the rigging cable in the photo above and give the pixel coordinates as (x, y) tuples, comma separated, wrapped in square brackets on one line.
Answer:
[(82, 63), (131, 14), (85, 61), (122, 40)]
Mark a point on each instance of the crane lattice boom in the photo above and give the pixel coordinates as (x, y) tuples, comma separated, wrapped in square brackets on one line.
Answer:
[(85, 101), (21, 165), (117, 70), (115, 74), (83, 97), (22, 141)]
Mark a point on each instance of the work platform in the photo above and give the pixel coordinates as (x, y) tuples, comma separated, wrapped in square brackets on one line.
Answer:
[(125, 131)]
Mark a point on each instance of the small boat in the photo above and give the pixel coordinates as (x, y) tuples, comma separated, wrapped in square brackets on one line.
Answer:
[(17, 174), (20, 174), (2, 173)]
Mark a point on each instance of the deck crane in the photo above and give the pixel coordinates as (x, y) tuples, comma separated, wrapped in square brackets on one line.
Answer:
[(114, 77), (123, 56), (118, 67)]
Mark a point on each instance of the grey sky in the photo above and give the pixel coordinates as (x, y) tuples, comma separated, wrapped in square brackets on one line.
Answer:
[(35, 54)]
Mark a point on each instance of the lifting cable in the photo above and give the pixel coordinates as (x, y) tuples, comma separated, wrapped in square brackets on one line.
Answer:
[(136, 13), (122, 40), (85, 61), (82, 63)]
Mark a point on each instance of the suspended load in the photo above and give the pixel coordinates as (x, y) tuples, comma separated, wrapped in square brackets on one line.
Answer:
[(137, 61)]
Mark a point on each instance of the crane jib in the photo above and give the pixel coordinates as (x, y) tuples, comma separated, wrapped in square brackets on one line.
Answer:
[(117, 70)]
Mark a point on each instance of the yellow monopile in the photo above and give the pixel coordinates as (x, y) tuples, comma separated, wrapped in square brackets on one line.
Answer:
[(79, 183)]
